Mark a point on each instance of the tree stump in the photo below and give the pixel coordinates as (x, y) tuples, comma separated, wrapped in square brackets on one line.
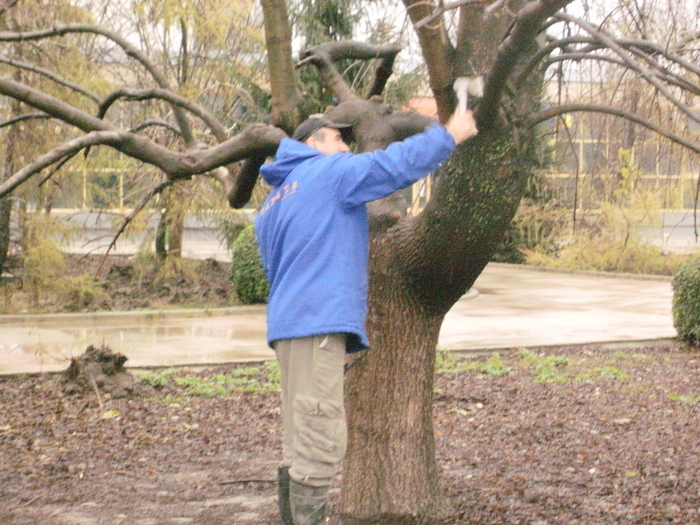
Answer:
[(101, 370)]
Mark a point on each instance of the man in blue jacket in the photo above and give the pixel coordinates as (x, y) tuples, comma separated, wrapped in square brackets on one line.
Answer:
[(314, 241)]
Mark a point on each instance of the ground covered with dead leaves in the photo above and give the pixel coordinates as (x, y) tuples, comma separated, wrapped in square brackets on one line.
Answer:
[(582, 435)]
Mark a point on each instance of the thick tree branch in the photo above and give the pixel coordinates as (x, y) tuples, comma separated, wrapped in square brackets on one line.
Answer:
[(441, 8), (138, 146), (239, 186), (283, 86), (405, 124), (130, 50), (595, 108), (524, 30), (219, 131), (254, 141), (384, 70), (325, 55), (56, 154), (439, 57), (331, 77), (353, 50)]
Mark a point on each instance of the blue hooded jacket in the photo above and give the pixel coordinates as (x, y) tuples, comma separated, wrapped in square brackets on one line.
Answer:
[(313, 230)]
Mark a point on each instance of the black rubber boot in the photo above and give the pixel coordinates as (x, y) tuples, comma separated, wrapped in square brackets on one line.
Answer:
[(283, 495), (308, 503)]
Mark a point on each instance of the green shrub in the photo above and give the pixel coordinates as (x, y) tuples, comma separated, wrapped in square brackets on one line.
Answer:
[(686, 301), (82, 293), (247, 275), (44, 265)]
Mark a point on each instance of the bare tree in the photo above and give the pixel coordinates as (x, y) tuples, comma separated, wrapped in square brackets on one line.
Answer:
[(420, 265)]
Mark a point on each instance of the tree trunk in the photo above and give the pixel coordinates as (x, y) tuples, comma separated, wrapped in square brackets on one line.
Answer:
[(5, 223), (392, 471), (418, 270), (169, 234), (6, 202), (171, 225)]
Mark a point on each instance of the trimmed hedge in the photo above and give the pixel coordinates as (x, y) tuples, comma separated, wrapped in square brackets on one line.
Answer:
[(247, 274), (686, 301)]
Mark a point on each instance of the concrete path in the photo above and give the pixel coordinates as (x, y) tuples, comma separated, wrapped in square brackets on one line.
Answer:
[(510, 306), (523, 306)]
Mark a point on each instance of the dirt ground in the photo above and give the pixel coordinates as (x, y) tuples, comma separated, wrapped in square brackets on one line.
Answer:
[(578, 435), (581, 435)]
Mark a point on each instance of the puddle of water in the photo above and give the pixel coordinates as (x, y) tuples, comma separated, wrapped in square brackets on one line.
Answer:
[(49, 346)]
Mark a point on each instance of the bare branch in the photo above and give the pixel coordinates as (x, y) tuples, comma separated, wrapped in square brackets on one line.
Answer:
[(254, 141), (219, 131), (440, 9), (240, 187), (286, 96), (384, 70), (545, 51), (129, 218), (354, 50), (595, 108), (56, 168), (7, 4), (331, 77), (52, 76), (671, 78), (137, 146), (630, 62), (151, 123), (438, 54), (323, 57), (130, 50), (525, 28), (685, 40), (26, 116), (56, 154)]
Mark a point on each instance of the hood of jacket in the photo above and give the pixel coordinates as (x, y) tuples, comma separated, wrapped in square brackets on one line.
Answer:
[(290, 154)]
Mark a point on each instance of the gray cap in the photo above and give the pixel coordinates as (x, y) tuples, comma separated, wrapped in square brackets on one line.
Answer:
[(313, 124)]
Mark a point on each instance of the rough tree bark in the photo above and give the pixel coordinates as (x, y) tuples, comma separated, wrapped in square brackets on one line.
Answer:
[(420, 266)]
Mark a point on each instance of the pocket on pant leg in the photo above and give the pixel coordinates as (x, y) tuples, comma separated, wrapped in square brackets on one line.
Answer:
[(321, 431)]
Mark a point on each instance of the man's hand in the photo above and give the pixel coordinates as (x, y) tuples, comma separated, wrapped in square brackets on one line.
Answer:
[(461, 126)]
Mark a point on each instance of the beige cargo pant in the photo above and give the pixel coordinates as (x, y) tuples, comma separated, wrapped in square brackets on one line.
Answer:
[(313, 413)]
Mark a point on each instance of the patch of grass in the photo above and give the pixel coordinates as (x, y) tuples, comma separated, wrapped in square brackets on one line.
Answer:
[(446, 363), (274, 375), (157, 379), (686, 400), (636, 356), (249, 379), (611, 372), (547, 368), (202, 386), (495, 366)]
